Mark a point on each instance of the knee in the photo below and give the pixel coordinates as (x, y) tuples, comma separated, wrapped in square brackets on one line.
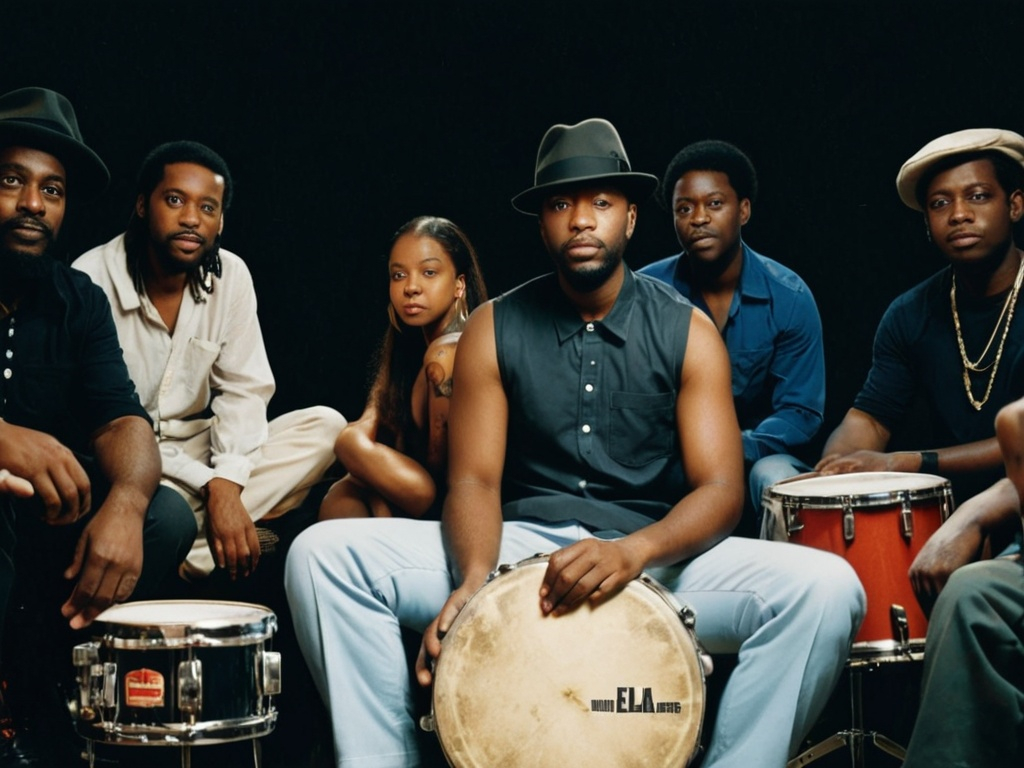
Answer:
[(835, 586), (770, 470), (330, 421), (966, 588), (170, 522)]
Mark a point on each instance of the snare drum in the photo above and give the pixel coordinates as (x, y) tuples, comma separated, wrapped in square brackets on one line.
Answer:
[(178, 672), (878, 521), (618, 684)]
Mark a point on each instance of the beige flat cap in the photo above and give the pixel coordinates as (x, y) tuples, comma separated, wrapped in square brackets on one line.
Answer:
[(971, 140)]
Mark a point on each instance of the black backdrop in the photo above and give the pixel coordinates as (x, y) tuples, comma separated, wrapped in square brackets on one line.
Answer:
[(341, 120)]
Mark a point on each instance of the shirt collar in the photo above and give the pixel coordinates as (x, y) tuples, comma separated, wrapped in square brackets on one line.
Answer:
[(116, 259), (568, 321), (753, 278)]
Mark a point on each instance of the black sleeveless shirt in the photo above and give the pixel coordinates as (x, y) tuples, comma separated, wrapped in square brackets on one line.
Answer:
[(592, 425)]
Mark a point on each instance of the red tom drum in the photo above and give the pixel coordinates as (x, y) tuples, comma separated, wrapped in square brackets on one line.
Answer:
[(877, 521)]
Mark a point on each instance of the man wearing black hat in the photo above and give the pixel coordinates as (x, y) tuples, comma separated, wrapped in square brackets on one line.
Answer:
[(96, 530), (594, 384)]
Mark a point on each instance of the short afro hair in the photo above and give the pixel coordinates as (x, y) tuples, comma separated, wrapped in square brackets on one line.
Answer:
[(711, 155)]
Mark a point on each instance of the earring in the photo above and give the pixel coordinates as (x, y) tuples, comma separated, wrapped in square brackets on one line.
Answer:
[(462, 310), (393, 318)]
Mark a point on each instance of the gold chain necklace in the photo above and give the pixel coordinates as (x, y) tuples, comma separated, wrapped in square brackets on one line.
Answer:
[(1007, 312)]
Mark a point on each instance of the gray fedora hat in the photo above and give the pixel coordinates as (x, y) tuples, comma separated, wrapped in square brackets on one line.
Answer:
[(39, 118), (588, 151)]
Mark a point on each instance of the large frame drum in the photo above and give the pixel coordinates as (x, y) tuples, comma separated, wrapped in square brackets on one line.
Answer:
[(178, 672), (618, 684), (878, 521)]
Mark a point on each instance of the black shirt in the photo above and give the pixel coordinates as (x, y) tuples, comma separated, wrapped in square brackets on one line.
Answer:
[(61, 368)]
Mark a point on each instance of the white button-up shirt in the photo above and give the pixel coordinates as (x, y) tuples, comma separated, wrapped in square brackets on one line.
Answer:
[(211, 374)]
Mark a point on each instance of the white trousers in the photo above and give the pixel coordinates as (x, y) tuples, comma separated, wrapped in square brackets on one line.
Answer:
[(299, 449), (789, 611)]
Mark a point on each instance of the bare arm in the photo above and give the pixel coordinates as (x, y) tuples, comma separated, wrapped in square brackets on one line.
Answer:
[(713, 462), (858, 445), (472, 511), (108, 557), (960, 539)]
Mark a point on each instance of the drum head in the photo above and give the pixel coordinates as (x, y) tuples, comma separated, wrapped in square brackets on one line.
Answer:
[(168, 623), (861, 485), (621, 684)]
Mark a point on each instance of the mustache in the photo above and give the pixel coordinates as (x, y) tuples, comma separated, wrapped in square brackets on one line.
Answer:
[(590, 242), (189, 232), (28, 222)]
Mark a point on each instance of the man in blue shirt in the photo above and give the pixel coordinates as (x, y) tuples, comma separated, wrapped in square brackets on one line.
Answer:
[(764, 311)]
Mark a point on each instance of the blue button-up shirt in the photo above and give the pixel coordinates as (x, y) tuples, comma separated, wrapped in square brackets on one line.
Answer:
[(773, 334)]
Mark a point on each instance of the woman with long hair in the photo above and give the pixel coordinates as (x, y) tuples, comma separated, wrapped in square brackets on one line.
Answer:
[(396, 453)]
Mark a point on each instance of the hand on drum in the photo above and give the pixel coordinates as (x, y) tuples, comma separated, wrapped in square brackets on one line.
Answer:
[(430, 647), (107, 564), (868, 461), (589, 570)]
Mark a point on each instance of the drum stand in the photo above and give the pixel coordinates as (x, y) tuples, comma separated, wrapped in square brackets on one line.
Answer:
[(186, 754), (855, 736)]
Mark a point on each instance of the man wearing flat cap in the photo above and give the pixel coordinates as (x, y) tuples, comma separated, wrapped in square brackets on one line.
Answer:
[(954, 342), (595, 384), (95, 529)]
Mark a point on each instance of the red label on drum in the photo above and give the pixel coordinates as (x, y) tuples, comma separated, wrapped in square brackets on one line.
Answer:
[(144, 688)]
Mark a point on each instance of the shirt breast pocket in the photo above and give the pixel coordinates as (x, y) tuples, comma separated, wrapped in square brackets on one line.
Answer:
[(642, 427), (750, 370), (197, 362)]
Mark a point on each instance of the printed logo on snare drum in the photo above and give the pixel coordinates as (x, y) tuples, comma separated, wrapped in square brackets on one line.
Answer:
[(627, 700), (143, 688)]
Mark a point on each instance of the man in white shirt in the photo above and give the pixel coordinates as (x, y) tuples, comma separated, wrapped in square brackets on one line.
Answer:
[(185, 312)]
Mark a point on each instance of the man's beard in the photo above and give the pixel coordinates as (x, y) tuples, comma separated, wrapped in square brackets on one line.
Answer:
[(170, 265), (589, 277), (18, 266)]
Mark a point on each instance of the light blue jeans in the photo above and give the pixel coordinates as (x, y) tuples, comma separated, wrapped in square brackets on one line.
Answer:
[(764, 474), (789, 611)]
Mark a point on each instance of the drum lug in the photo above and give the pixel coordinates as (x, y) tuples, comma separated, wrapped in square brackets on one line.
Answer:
[(849, 529), (906, 519), (792, 515), (688, 616), (270, 661), (900, 625), (190, 688), (427, 723)]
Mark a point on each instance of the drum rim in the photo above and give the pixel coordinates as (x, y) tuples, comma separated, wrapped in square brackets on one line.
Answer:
[(941, 490), (684, 614), (208, 632)]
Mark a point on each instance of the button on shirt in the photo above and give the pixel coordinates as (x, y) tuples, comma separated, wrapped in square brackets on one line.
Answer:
[(773, 334), (63, 372), (211, 374), (592, 417)]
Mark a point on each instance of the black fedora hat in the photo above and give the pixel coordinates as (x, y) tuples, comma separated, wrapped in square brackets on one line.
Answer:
[(588, 151), (39, 118)]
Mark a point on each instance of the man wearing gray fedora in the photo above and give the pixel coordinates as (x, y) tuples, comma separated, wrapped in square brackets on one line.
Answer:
[(595, 385), (95, 530)]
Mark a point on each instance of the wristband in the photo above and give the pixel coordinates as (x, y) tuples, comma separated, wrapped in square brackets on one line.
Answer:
[(929, 462)]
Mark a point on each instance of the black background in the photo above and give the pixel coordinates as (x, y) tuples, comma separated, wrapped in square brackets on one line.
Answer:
[(342, 120)]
